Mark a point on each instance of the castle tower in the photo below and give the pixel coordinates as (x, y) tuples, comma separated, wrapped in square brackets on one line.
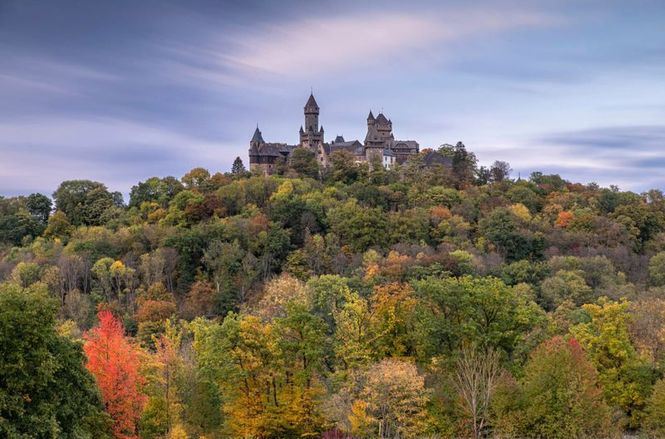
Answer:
[(311, 114), (256, 161), (384, 127), (374, 146), (311, 136)]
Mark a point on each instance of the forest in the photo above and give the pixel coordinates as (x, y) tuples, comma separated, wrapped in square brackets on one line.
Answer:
[(348, 302)]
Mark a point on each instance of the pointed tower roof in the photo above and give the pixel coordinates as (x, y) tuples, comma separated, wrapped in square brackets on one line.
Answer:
[(381, 118), (372, 134), (371, 116), (257, 137), (311, 103)]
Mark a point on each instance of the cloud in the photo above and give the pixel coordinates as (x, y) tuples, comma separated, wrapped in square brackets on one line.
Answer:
[(630, 156), (330, 45), (638, 139), (38, 155)]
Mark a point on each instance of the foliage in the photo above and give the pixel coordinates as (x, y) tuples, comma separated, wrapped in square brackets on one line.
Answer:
[(114, 362), (318, 299), (45, 390), (559, 396)]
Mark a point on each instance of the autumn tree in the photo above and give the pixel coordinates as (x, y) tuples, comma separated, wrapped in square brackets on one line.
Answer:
[(114, 363), (164, 406), (392, 402), (625, 378)]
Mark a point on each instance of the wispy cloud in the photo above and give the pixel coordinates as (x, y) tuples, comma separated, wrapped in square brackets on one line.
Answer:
[(332, 44), (40, 154), (307, 48)]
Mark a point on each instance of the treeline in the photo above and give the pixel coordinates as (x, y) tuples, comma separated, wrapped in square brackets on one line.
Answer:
[(422, 301)]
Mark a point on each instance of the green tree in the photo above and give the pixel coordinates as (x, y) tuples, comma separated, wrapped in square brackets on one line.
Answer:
[(155, 189), (657, 269), (358, 227), (45, 390), (39, 206), (482, 311), (565, 285), (84, 202), (503, 229), (303, 162), (655, 417), (559, 397), (238, 168)]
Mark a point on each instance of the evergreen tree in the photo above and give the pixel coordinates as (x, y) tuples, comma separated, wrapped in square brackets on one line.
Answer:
[(238, 168)]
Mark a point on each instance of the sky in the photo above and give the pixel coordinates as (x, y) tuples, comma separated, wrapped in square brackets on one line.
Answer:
[(119, 91)]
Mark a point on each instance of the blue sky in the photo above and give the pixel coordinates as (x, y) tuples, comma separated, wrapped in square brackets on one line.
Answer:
[(118, 91)]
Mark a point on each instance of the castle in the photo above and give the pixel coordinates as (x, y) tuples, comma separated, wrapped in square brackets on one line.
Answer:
[(379, 146)]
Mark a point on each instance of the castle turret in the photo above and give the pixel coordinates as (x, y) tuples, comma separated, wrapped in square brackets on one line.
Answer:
[(312, 136), (370, 118), (311, 115)]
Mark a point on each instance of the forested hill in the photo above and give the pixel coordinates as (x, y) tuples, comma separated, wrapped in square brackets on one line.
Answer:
[(423, 301)]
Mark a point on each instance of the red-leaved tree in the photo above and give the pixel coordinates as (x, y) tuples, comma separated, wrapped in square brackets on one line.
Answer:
[(114, 362)]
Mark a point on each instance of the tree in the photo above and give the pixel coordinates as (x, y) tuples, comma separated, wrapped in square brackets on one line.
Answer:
[(277, 294), (114, 363), (45, 390), (224, 261), (647, 328), (625, 378), (464, 163), (58, 226), (303, 162), (482, 311), (559, 396), (200, 301), (499, 171), (475, 377), (243, 357), (655, 418), (565, 285), (197, 179), (162, 416), (155, 189), (502, 228), (85, 202), (344, 168), (19, 219), (39, 206), (392, 402), (358, 227), (657, 269), (238, 168)]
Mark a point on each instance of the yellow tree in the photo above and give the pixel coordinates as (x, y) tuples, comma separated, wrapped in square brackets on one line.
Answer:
[(625, 377), (392, 402)]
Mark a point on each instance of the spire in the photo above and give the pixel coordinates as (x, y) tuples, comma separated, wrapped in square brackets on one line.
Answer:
[(311, 103), (257, 137), (370, 117)]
